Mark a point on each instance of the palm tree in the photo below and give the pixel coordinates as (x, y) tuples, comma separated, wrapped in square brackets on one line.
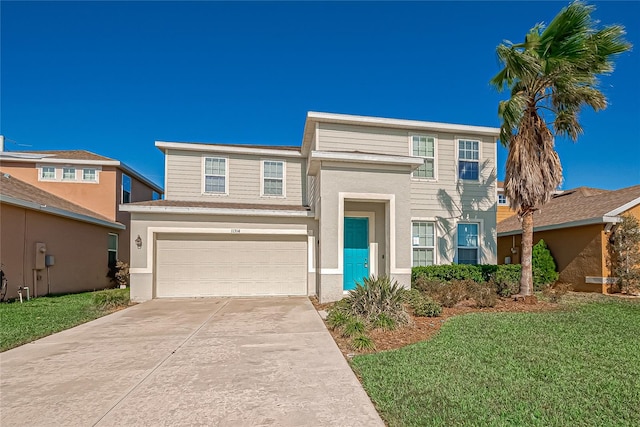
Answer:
[(551, 76)]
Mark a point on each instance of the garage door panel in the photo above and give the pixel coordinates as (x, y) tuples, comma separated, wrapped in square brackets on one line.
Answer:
[(230, 265)]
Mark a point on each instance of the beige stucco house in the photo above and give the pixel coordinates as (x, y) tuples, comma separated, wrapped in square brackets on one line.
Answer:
[(360, 196), (94, 182)]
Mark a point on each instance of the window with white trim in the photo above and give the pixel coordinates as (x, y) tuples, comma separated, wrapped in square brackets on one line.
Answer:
[(425, 147), (502, 199), (423, 243), (468, 243), (272, 178), (112, 250), (48, 172), (126, 189), (215, 175), (68, 174), (89, 174), (468, 159)]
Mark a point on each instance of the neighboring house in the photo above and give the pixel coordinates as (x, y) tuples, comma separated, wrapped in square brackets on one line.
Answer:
[(504, 211), (94, 182), (49, 244), (576, 225), (360, 196)]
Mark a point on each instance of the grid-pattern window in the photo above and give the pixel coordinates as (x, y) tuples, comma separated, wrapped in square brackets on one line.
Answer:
[(215, 175), (112, 250), (48, 172), (502, 199), (88, 174), (126, 189), (272, 178), (468, 159), (468, 244), (425, 147), (68, 174), (424, 243)]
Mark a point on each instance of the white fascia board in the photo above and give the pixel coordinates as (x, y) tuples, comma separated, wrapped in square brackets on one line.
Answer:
[(221, 148), (624, 207), (60, 212), (597, 220), (214, 211), (315, 157), (401, 123), (57, 161), (127, 170)]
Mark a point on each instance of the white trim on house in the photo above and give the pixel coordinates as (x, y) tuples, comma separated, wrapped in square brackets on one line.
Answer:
[(373, 245), (316, 157), (230, 149), (624, 207), (435, 156), (59, 212), (284, 180), (203, 176), (601, 280), (480, 247), (311, 259), (151, 231), (214, 211), (457, 140), (433, 220), (589, 221), (58, 173)]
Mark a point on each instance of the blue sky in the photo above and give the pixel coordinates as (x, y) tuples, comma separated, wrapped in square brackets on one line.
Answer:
[(113, 77)]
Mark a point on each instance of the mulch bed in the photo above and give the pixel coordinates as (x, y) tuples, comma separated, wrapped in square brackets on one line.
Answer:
[(423, 328)]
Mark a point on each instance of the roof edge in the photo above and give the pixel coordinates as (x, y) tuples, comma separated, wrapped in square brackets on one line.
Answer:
[(606, 219), (224, 148), (624, 207), (214, 211)]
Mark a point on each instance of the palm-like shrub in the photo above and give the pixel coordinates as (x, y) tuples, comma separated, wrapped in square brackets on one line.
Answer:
[(376, 296)]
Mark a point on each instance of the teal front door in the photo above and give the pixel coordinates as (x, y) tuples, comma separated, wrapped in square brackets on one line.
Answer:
[(356, 251)]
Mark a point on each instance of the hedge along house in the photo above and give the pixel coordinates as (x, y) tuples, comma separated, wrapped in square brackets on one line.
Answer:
[(576, 225), (360, 196)]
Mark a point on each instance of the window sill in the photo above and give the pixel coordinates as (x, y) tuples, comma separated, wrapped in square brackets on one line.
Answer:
[(266, 196), (205, 193), (418, 179)]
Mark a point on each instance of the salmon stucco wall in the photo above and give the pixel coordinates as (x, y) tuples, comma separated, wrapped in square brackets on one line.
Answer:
[(79, 249), (578, 252)]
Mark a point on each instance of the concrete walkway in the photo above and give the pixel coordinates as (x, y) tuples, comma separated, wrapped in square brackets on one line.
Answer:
[(222, 362)]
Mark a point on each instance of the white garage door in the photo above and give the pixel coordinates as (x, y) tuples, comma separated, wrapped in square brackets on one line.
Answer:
[(230, 265)]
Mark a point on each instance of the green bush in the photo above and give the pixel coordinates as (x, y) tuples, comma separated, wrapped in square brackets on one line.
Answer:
[(543, 265), (110, 299), (353, 327), (507, 279), (449, 272), (484, 294), (362, 342), (383, 321), (374, 296), (421, 304), (555, 292), (447, 294)]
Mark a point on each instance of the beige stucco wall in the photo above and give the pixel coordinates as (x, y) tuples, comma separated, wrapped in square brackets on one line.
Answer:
[(79, 248), (185, 178)]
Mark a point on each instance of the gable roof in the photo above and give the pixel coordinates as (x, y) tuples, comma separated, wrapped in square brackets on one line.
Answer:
[(81, 157), (580, 206), (18, 193)]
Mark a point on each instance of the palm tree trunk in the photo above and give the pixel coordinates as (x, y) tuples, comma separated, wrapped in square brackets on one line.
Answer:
[(526, 278)]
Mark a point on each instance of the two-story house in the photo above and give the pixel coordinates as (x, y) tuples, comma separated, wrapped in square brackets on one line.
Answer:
[(360, 196), (97, 183)]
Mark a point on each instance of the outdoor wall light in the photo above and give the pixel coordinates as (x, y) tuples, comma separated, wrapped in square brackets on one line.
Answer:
[(139, 242)]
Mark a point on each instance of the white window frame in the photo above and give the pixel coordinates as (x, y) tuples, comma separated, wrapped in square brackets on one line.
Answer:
[(109, 250), (122, 189), (505, 203), (95, 175), (458, 160), (284, 179), (478, 248), (204, 176), (435, 238), (75, 173), (434, 158), (41, 176)]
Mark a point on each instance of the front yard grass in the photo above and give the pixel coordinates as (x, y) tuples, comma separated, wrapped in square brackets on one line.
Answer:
[(580, 366), (39, 317)]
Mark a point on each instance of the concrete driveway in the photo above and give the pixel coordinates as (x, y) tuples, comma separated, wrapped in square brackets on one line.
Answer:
[(223, 362)]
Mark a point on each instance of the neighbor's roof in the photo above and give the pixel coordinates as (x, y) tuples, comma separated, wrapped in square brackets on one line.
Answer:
[(16, 192), (191, 207), (580, 206), (74, 156)]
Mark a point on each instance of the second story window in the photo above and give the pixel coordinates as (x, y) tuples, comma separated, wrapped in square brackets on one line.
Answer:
[(89, 175), (425, 147), (468, 159), (272, 178), (126, 189), (502, 199), (48, 172), (215, 175), (68, 174)]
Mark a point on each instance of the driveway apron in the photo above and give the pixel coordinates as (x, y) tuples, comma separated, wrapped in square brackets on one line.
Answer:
[(218, 362)]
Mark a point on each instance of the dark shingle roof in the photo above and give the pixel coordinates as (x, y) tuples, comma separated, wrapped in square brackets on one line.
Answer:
[(581, 203)]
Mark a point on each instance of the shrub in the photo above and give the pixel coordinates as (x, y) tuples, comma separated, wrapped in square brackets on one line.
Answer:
[(119, 273), (554, 293), (421, 304), (384, 322), (111, 299), (362, 342), (353, 327), (374, 296), (624, 254), (337, 318), (506, 279), (448, 273), (447, 294), (484, 294), (543, 265)]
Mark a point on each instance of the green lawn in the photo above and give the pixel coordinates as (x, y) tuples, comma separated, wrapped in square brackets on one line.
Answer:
[(39, 317), (579, 367)]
